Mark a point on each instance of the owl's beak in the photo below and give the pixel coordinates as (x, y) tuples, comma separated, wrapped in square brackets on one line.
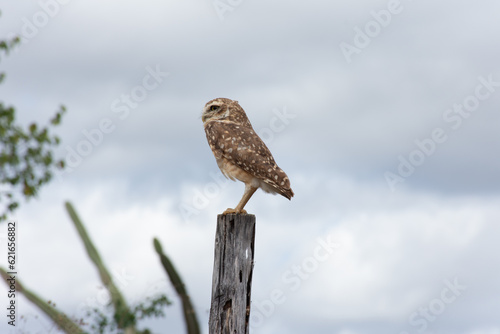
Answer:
[(203, 117)]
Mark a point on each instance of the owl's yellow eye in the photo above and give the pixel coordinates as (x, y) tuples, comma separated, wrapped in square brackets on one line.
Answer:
[(212, 108)]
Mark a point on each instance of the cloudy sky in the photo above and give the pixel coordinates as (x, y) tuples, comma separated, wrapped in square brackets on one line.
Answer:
[(384, 114)]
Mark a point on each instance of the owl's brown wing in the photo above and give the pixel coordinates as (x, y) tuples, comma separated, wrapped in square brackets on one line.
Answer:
[(243, 147)]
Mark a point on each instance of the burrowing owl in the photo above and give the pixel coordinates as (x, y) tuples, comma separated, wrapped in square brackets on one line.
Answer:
[(240, 153)]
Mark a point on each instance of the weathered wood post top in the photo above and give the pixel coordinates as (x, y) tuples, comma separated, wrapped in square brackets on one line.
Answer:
[(232, 275)]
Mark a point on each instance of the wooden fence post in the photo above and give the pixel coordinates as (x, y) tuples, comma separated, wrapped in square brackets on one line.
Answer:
[(232, 275)]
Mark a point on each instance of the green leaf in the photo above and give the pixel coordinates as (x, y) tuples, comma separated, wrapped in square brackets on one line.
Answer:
[(26, 156), (12, 206)]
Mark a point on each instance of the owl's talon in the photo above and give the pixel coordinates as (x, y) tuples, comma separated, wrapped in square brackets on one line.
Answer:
[(229, 211)]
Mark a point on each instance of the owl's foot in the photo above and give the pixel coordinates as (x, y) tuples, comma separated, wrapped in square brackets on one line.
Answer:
[(229, 210)]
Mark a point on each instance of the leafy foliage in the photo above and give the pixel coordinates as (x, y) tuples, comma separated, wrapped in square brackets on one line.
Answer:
[(26, 154), (104, 322)]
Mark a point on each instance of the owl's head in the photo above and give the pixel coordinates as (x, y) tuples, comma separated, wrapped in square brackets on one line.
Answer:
[(223, 109)]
